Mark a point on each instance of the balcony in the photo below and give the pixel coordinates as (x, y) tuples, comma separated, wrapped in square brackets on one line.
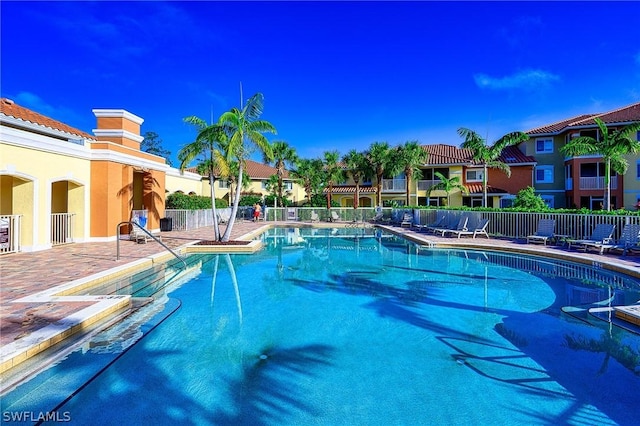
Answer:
[(424, 185), (394, 185), (587, 183)]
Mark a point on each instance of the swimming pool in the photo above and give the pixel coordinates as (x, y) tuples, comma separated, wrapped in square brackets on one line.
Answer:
[(366, 328)]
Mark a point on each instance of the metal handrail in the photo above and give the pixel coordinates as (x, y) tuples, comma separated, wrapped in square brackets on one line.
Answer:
[(149, 234)]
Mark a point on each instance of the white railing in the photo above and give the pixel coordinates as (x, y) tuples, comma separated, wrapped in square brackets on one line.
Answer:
[(597, 182), (10, 233), (394, 184), (62, 228), (184, 220), (424, 185), (517, 225)]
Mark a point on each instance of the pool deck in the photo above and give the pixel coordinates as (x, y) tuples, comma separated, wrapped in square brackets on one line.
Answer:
[(35, 316)]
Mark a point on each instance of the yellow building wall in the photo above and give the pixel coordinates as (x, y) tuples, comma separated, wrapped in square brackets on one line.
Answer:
[(631, 184), (36, 175)]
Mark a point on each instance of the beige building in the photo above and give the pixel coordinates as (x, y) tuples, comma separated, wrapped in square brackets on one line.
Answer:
[(60, 185)]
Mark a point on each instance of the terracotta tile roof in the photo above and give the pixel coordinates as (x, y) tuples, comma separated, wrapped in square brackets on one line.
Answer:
[(351, 189), (447, 154), (476, 188), (627, 114), (441, 154), (254, 169), (262, 171), (512, 155), (11, 109)]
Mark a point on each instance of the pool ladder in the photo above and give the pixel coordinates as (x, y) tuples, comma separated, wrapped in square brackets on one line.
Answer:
[(150, 235)]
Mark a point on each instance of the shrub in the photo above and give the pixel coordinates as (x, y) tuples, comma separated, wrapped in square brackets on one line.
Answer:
[(182, 201), (527, 199)]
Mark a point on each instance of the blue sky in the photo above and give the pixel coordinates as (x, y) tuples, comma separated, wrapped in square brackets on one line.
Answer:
[(335, 75)]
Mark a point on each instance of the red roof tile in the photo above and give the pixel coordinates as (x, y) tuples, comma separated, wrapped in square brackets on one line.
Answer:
[(441, 154), (351, 189), (476, 188), (254, 169), (627, 114), (11, 109)]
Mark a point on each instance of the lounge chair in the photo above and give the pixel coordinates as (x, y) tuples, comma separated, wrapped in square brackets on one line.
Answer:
[(377, 218), (314, 216), (601, 238), (629, 239), (334, 217), (137, 234), (461, 225), (407, 220), (479, 229), (439, 222), (545, 232)]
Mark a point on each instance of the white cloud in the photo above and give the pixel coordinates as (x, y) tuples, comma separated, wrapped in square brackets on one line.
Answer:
[(34, 102), (525, 80)]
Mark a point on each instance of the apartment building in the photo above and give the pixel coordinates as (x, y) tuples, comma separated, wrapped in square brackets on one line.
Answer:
[(578, 182)]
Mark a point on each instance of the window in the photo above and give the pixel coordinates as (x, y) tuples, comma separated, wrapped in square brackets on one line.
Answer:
[(549, 200), (223, 184), (288, 186), (544, 146), (638, 169), (474, 175), (544, 174)]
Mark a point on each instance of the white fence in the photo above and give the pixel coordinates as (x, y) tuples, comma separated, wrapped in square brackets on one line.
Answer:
[(62, 228), (10, 233), (518, 224)]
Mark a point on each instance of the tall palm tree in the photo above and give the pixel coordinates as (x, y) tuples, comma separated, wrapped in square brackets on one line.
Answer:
[(447, 185), (232, 177), (381, 160), (208, 145), (612, 145), (332, 172), (283, 155), (410, 157), (308, 174), (245, 130), (488, 155), (357, 166)]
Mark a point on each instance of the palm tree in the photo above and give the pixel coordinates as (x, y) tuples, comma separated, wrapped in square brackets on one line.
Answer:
[(381, 159), (488, 155), (357, 166), (612, 145), (308, 174), (283, 154), (209, 144), (410, 157), (232, 178), (447, 185), (333, 173), (243, 126)]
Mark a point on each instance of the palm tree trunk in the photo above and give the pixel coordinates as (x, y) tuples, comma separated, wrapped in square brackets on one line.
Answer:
[(607, 183), (234, 209), (379, 188), (216, 229), (408, 186), (485, 179)]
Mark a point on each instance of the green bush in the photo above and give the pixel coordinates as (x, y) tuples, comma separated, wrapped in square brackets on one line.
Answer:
[(527, 199), (182, 201)]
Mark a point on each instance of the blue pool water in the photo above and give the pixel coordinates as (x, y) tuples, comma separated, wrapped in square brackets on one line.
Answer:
[(366, 328)]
